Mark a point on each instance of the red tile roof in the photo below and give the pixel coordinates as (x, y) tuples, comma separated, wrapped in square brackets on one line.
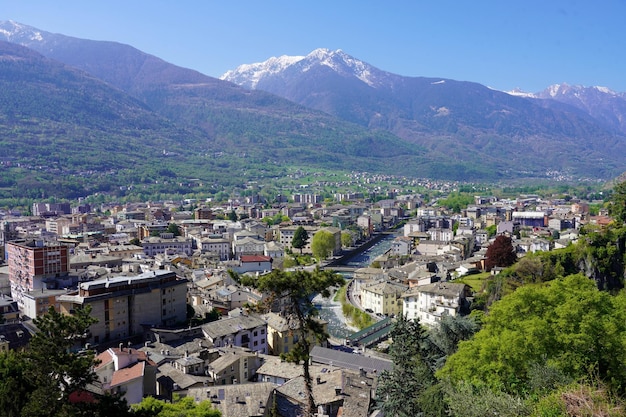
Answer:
[(128, 374), (255, 258)]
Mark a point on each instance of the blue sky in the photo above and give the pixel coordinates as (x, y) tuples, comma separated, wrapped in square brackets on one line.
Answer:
[(501, 43)]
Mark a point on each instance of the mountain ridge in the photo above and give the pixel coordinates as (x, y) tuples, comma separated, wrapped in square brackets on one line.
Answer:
[(351, 119)]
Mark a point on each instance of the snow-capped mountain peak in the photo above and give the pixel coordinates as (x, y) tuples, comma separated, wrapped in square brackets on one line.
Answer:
[(249, 75), (16, 32)]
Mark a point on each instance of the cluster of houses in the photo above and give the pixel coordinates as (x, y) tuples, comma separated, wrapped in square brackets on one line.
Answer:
[(416, 277), (141, 276)]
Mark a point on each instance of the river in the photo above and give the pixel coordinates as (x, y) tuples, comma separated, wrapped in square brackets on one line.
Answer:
[(331, 310)]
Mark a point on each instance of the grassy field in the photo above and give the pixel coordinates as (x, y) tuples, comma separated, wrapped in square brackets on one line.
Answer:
[(475, 281)]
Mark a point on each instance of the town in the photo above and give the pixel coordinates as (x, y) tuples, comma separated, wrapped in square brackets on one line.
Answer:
[(172, 320)]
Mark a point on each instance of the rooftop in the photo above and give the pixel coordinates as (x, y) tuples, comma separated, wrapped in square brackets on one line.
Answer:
[(224, 327)]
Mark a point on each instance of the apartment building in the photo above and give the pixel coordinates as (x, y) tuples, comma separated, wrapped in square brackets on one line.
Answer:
[(35, 265), (124, 306)]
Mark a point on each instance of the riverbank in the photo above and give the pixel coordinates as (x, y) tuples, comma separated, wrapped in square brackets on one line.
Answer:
[(353, 252), (357, 317)]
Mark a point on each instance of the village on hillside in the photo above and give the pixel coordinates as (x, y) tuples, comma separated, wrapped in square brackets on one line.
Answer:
[(172, 320)]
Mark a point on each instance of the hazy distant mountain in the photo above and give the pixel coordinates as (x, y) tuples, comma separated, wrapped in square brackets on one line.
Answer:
[(349, 115)]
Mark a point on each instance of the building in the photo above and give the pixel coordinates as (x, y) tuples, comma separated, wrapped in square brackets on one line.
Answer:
[(530, 218), (248, 246), (429, 303), (127, 371), (167, 243), (125, 306), (244, 331), (8, 310), (14, 336), (35, 265), (383, 298), (238, 367), (283, 333), (37, 303), (254, 263), (286, 234), (215, 244), (51, 209), (336, 392)]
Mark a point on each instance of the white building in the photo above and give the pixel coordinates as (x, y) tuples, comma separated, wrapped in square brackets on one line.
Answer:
[(429, 303), (127, 371), (216, 245), (167, 243)]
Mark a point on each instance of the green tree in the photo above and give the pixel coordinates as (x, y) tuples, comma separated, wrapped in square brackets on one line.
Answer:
[(57, 369), (491, 230), (399, 389), (173, 228), (322, 244), (617, 206), (500, 253), (299, 287), (15, 388), (186, 406), (300, 238), (346, 239), (566, 323), (232, 216)]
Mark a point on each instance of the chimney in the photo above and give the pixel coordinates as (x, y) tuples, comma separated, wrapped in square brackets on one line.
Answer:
[(318, 380), (121, 347), (337, 390)]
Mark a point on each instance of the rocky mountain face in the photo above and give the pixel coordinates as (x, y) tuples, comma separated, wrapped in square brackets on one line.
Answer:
[(604, 105), (331, 109)]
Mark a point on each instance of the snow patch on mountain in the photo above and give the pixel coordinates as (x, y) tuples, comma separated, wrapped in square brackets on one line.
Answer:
[(605, 90), (520, 93)]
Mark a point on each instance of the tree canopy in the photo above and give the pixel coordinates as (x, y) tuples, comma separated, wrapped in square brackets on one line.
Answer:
[(300, 238), (568, 324), (500, 253), (322, 244), (54, 368), (617, 207), (186, 406)]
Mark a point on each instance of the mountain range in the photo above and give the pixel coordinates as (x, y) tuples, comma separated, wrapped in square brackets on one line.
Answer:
[(63, 96)]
